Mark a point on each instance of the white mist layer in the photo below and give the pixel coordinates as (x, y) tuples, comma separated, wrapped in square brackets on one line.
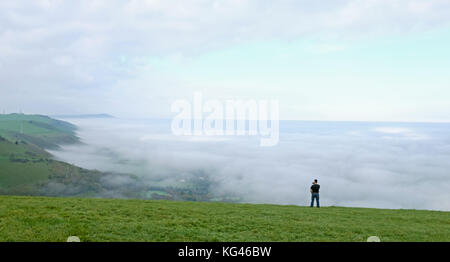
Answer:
[(378, 165)]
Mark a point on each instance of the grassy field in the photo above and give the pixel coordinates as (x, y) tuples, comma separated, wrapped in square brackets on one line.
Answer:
[(54, 219)]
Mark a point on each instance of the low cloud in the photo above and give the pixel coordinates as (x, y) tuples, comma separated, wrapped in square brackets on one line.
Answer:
[(355, 165)]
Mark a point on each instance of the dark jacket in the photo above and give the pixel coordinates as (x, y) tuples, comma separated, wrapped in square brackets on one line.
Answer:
[(315, 188)]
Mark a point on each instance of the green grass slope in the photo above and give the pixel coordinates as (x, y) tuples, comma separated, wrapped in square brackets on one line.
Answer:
[(55, 219), (39, 130), (26, 169), (22, 164)]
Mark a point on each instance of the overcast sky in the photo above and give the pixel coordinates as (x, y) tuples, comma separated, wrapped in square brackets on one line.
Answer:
[(324, 60)]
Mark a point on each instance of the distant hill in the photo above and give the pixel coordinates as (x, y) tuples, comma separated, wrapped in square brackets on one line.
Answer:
[(84, 116)]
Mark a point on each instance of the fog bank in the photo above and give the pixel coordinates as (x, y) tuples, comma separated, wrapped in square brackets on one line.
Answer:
[(378, 165)]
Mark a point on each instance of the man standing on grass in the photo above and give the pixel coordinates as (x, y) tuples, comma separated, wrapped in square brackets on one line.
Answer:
[(315, 193)]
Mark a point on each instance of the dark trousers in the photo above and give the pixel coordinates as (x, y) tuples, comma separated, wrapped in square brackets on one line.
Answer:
[(316, 197)]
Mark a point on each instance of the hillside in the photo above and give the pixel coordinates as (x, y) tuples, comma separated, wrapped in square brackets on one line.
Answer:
[(39, 130), (54, 219), (26, 168)]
